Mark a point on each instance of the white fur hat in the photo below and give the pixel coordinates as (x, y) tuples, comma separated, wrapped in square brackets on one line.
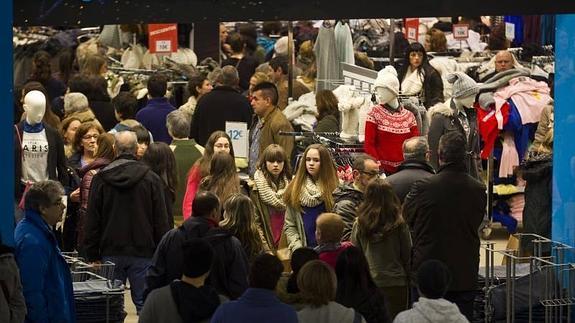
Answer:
[(281, 46), (387, 78)]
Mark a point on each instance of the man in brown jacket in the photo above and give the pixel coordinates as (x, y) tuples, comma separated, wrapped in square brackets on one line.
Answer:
[(270, 121)]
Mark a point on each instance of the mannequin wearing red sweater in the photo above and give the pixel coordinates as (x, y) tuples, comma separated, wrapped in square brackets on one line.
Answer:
[(388, 124)]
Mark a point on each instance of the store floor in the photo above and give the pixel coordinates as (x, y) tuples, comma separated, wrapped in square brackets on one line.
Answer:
[(499, 236)]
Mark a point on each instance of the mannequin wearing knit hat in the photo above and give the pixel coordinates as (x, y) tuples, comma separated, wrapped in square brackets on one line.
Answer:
[(457, 114), (388, 124)]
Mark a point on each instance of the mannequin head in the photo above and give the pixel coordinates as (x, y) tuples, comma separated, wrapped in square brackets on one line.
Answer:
[(384, 95), (35, 107), (466, 101), (387, 86)]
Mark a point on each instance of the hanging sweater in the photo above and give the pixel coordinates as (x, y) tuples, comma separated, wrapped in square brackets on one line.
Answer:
[(385, 131)]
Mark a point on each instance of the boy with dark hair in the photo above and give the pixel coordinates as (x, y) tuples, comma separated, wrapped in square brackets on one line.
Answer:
[(153, 115), (188, 299), (259, 303)]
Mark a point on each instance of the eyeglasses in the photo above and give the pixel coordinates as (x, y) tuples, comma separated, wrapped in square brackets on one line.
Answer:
[(88, 137), (370, 174)]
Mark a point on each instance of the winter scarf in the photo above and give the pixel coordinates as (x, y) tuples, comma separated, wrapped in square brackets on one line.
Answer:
[(310, 196), (270, 194)]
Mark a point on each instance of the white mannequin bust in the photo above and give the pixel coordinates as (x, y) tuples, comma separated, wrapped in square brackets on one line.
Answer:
[(464, 102), (35, 107), (386, 96)]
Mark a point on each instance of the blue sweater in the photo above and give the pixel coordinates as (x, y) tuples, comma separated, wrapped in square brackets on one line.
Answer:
[(46, 280), (309, 215), (153, 117), (255, 305)]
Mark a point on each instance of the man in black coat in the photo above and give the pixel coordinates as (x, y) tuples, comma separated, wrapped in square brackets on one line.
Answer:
[(223, 103), (126, 216), (444, 213), (230, 270), (414, 167)]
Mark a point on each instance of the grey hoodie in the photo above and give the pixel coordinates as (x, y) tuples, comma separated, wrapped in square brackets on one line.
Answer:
[(427, 310)]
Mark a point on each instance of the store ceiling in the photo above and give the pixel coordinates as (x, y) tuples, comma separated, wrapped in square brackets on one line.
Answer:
[(98, 12)]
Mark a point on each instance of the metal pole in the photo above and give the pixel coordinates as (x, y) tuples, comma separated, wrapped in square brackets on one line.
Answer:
[(391, 40), (290, 59)]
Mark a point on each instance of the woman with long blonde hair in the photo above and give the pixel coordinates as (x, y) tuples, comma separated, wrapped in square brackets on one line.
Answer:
[(308, 195), (239, 221), (383, 236), (223, 179)]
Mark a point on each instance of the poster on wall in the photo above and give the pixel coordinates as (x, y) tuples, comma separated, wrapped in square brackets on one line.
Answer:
[(163, 38)]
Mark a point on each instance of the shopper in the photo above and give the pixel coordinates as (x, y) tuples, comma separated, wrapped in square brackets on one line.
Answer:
[(270, 181), (68, 129), (230, 268), (444, 213), (414, 167), (244, 63), (223, 179), (143, 137), (12, 302), (287, 288), (42, 72), (318, 283), (328, 232), (383, 236), (153, 115), (268, 124), (348, 197), (105, 154), (218, 142), (100, 102), (418, 77), (186, 152), (239, 220), (356, 289), (45, 275), (433, 279), (76, 105), (120, 230), (257, 78), (259, 302), (223, 103), (160, 158), (308, 195), (198, 86), (85, 144), (327, 112), (279, 64), (125, 104), (188, 299)]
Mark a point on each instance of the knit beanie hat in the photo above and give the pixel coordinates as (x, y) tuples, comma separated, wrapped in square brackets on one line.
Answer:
[(75, 102), (281, 46), (463, 85), (433, 279), (387, 78), (198, 256)]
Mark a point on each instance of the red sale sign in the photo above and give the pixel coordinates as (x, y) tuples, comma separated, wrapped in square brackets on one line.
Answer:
[(163, 38), (411, 28)]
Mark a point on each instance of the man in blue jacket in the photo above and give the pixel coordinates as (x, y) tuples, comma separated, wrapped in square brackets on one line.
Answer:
[(45, 275)]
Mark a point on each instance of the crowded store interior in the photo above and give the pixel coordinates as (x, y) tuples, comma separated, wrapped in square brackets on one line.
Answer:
[(344, 170)]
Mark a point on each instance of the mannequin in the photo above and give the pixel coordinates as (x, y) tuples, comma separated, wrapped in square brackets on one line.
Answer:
[(457, 114), (38, 148), (388, 124)]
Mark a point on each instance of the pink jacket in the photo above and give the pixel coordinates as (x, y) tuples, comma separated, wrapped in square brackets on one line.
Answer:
[(530, 98), (192, 185)]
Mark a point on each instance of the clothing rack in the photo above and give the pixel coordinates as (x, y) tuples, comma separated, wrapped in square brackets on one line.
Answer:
[(307, 133)]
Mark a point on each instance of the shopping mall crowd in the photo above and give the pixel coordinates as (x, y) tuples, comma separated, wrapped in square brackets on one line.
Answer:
[(157, 190)]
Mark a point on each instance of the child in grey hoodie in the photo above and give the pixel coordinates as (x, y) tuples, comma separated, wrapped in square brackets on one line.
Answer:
[(432, 282)]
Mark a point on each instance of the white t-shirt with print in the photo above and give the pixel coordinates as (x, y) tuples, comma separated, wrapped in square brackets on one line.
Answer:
[(34, 156)]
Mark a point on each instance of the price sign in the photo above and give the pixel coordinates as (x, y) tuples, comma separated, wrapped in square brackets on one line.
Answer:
[(238, 132), (163, 38), (411, 28), (460, 31), (510, 31)]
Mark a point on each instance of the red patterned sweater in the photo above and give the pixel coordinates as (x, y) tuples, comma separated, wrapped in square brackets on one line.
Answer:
[(385, 132)]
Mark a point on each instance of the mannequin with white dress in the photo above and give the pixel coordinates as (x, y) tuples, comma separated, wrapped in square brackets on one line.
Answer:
[(388, 124)]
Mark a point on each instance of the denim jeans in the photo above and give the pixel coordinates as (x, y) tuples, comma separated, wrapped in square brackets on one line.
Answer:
[(134, 269)]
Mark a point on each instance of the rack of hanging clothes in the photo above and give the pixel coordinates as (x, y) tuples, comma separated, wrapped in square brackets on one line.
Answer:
[(509, 108)]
